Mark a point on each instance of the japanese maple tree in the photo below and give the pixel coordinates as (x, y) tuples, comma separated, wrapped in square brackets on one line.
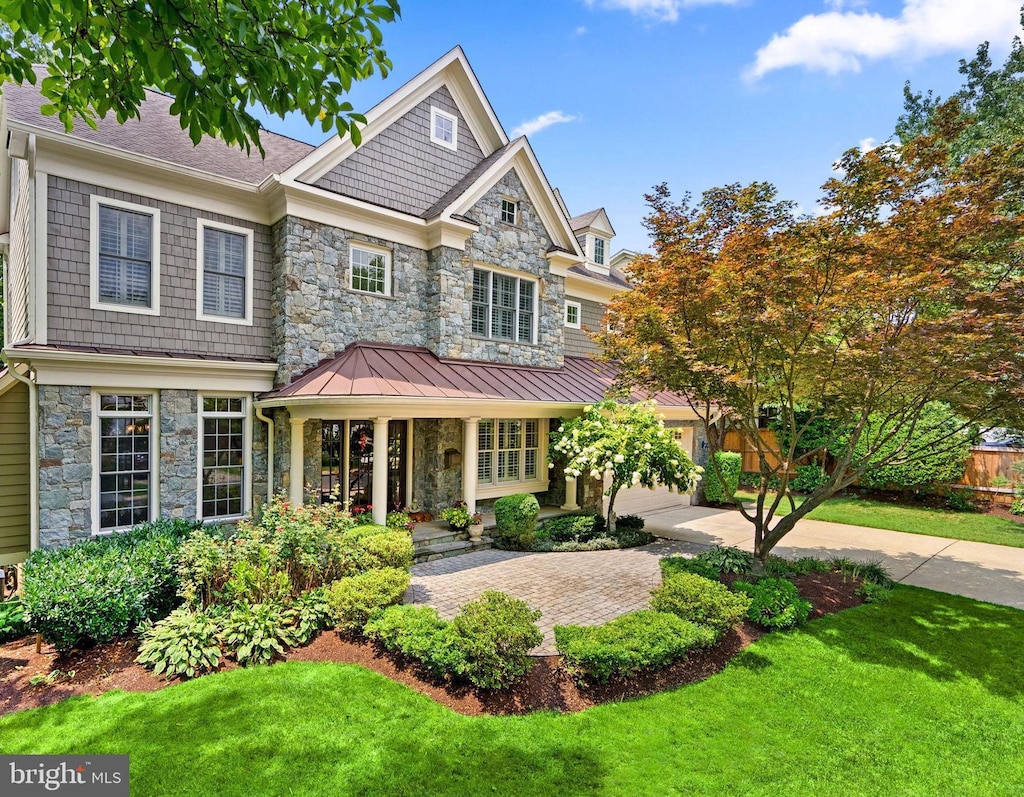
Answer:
[(906, 290)]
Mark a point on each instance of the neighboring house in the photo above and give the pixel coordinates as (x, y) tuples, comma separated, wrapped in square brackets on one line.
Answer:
[(189, 330)]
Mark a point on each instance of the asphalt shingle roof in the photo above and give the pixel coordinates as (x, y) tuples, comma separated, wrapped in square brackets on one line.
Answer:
[(157, 134)]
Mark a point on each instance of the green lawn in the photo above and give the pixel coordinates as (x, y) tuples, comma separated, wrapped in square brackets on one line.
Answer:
[(916, 520), (923, 695)]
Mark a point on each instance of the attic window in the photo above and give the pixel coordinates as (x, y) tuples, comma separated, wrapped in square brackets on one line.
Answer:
[(599, 251), (444, 128), (509, 211)]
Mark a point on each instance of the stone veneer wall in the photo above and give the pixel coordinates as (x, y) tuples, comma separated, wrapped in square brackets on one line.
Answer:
[(65, 465), (520, 247), (435, 487), (65, 460), (179, 453), (319, 315)]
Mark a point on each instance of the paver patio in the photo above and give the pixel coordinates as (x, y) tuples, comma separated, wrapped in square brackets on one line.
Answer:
[(585, 588)]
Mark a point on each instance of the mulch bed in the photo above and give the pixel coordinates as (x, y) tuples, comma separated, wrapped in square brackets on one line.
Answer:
[(546, 687)]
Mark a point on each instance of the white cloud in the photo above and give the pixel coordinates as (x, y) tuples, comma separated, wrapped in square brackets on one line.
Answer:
[(866, 145), (657, 10), (580, 30), (538, 123), (841, 41)]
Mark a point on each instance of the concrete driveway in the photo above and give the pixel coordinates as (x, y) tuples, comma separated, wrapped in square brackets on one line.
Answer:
[(993, 573)]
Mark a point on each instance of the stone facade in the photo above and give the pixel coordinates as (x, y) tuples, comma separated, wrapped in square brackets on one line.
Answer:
[(65, 465), (176, 330), (179, 453), (434, 486)]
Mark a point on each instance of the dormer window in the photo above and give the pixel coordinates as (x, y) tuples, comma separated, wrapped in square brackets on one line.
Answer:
[(444, 128), (509, 211), (599, 251)]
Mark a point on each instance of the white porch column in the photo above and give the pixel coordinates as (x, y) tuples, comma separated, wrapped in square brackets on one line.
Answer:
[(296, 482), (380, 471), (570, 505), (470, 428)]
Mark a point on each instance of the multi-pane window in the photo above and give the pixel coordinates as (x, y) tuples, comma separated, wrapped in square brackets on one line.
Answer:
[(125, 460), (223, 456), (508, 211), (599, 251), (572, 315), (370, 271), (125, 252), (508, 451), (226, 269), (444, 128), (503, 306)]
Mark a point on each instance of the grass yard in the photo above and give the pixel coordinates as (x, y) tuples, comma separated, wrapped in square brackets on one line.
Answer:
[(922, 695), (972, 526)]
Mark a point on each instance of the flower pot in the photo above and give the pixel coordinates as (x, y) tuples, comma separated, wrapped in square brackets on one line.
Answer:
[(476, 531)]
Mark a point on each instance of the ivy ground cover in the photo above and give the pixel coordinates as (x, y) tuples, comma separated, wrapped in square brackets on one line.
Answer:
[(920, 695)]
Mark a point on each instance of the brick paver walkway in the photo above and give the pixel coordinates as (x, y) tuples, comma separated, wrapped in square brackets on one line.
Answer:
[(567, 588)]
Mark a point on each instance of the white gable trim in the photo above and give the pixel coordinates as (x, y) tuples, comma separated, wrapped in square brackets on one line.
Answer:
[(520, 156), (451, 70)]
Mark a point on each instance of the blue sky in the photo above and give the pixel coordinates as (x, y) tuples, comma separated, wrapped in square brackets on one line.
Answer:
[(695, 93)]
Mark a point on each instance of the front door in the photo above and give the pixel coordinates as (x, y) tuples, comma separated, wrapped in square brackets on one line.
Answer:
[(347, 449)]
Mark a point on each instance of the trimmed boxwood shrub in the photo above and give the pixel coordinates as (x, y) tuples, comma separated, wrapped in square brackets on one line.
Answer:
[(808, 478), (491, 638), (775, 603), (382, 548), (684, 564), (515, 518), (572, 528), (628, 644), (721, 491), (353, 599), (701, 601), (417, 632), (101, 589)]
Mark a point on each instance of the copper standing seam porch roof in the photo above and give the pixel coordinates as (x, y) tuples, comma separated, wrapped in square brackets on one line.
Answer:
[(376, 369)]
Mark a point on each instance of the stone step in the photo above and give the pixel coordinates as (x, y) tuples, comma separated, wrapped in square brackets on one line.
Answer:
[(426, 536), (444, 550)]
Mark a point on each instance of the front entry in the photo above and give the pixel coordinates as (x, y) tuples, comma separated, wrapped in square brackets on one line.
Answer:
[(347, 449)]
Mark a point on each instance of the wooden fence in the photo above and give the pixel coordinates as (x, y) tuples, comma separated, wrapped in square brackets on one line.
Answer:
[(988, 474)]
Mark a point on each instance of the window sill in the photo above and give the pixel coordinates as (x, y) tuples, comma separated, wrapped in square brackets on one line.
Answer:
[(224, 319), (511, 488), (371, 294), (503, 340)]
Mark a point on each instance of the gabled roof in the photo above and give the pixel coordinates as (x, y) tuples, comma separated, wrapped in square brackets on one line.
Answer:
[(451, 70), (590, 219), (411, 372), (157, 134)]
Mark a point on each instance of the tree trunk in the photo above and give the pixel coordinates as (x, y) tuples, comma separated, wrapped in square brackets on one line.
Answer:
[(611, 510)]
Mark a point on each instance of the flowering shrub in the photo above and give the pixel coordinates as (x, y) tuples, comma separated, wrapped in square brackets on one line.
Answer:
[(630, 443)]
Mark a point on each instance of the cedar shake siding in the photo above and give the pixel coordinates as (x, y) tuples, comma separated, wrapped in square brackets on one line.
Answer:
[(72, 322), (577, 341), (401, 168)]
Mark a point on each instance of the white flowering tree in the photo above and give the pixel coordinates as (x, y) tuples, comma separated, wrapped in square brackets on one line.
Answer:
[(629, 443)]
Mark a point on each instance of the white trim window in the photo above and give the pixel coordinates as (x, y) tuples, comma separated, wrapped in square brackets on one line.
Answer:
[(599, 255), (224, 286), (444, 128), (573, 315), (124, 466), (124, 256), (223, 477), (504, 307), (369, 270), (508, 451), (509, 211)]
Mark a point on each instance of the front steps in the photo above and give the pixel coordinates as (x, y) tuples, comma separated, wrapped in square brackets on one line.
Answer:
[(434, 540)]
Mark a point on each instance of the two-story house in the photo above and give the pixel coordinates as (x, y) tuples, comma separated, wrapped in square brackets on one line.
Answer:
[(189, 330)]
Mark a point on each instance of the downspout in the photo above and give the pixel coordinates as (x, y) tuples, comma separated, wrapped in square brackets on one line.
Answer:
[(270, 451), (33, 459)]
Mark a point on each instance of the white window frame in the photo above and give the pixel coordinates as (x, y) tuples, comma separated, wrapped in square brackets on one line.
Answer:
[(604, 251), (247, 474), (539, 483), (436, 113), (373, 250), (490, 307), (95, 201), (201, 226), (154, 452), (515, 211), (579, 314)]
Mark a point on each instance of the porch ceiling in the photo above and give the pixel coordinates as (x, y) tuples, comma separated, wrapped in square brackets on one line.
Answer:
[(408, 375)]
